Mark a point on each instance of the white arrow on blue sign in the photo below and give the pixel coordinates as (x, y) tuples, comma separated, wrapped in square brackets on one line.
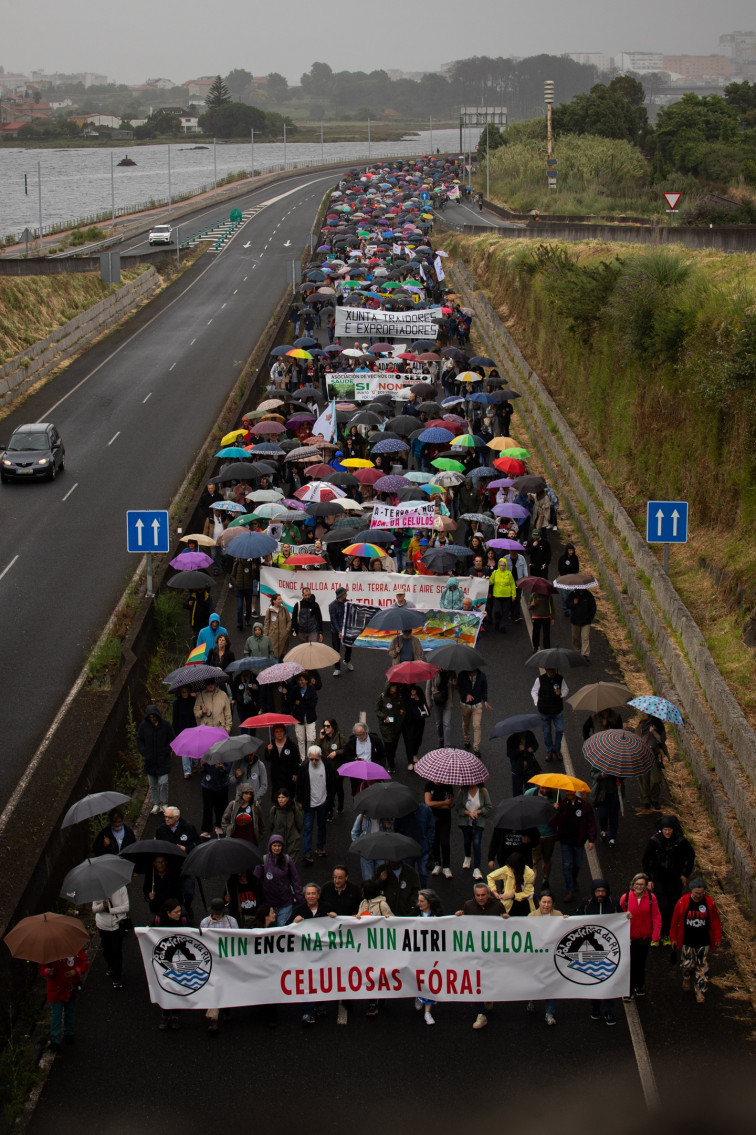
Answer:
[(147, 531), (667, 522)]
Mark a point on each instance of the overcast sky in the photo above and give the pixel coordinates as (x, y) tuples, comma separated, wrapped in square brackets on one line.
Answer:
[(182, 39)]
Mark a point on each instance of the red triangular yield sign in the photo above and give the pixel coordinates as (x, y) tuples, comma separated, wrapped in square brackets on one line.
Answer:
[(672, 199)]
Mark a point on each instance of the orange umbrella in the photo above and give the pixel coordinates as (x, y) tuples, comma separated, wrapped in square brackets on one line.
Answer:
[(502, 443)]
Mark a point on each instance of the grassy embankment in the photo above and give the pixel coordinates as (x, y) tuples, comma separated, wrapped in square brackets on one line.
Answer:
[(596, 177), (651, 356)]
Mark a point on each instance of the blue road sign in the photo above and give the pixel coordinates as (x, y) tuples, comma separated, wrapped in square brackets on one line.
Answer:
[(667, 522), (425, 195), (147, 531)]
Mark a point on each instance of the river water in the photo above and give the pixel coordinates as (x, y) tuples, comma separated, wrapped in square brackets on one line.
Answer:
[(76, 183)]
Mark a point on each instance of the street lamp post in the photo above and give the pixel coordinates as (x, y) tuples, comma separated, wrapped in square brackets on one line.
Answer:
[(169, 180), (252, 138), (215, 169), (322, 155), (112, 192), (39, 201), (369, 148), (548, 98), (284, 164)]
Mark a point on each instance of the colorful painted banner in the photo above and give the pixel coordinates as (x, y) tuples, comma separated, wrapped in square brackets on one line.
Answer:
[(375, 588), (467, 959), (441, 628), (358, 322), (413, 514)]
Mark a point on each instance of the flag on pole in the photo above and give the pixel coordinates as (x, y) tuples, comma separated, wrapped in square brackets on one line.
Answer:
[(326, 423), (440, 274), (453, 193)]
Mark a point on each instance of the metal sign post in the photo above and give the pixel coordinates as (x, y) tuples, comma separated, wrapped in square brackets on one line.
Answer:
[(147, 532), (666, 523)]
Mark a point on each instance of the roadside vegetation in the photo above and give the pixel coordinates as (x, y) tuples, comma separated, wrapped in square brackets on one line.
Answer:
[(651, 356)]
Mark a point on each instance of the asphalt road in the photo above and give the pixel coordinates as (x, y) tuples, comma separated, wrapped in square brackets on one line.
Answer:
[(132, 412), (393, 1068)]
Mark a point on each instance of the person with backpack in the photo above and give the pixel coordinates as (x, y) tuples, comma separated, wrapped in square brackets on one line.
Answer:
[(645, 930), (582, 607)]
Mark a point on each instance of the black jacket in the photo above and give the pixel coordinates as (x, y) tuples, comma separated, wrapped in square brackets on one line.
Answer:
[(582, 608), (184, 834), (106, 833), (183, 714), (283, 765), (377, 753), (153, 742), (307, 617), (303, 783), (477, 686), (341, 902), (665, 860)]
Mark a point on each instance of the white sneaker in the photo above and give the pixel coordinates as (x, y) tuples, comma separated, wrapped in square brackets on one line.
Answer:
[(429, 1018), (336, 673), (154, 809), (477, 874), (480, 1021), (447, 873), (550, 1019), (436, 870), (349, 666), (466, 863), (418, 1003)]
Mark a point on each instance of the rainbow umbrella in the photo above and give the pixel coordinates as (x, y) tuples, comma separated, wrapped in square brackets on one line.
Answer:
[(197, 655), (433, 489), (618, 753), (298, 353), (466, 441), (370, 550)]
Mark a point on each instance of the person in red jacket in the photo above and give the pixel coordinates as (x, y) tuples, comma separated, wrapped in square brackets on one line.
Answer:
[(645, 930), (696, 929), (63, 979)]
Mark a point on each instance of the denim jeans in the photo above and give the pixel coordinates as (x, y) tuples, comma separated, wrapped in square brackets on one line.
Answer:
[(188, 765), (309, 823), (244, 605), (62, 1019), (444, 722), (572, 861), (472, 838), (159, 788), (367, 867), (553, 728), (283, 913)]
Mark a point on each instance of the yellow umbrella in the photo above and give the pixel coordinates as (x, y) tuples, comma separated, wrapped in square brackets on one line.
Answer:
[(503, 443), (357, 463), (229, 439), (199, 538), (469, 376), (559, 780)]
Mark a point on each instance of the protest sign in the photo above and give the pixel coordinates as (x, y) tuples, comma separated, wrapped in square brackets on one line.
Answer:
[(441, 628), (375, 588), (364, 386), (358, 322), (413, 514), (469, 959)]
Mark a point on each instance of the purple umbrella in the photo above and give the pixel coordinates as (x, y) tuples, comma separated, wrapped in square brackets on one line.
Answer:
[(191, 561), (512, 510), (500, 483), (451, 766), (391, 484), (364, 770), (195, 742), (300, 506), (507, 545), (390, 445), (280, 673)]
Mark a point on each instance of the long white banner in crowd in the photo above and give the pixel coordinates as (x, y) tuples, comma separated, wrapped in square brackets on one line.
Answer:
[(410, 325), (471, 959), (376, 588)]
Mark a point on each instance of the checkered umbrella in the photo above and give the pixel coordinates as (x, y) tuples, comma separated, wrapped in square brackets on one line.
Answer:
[(618, 753), (658, 707), (452, 766)]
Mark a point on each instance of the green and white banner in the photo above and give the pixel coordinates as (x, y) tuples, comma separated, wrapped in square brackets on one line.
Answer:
[(444, 959)]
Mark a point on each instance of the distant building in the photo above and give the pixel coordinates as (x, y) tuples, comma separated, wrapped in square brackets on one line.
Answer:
[(602, 60), (112, 121), (641, 62), (160, 84), (739, 45), (198, 88), (707, 68)]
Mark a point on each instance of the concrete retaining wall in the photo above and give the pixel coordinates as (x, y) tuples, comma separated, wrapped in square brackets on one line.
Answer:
[(718, 742), (725, 238), (53, 266), (21, 372)]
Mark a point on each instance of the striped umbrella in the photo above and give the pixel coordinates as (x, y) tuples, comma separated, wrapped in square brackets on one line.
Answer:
[(452, 766), (619, 753), (658, 707)]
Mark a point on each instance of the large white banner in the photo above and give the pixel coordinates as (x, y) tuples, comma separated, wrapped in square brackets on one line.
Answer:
[(360, 321), (363, 386), (376, 588), (413, 514), (444, 959)]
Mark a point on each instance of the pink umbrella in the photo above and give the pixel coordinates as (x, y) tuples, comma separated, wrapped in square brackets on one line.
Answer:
[(267, 428), (507, 545), (279, 673), (364, 770), (191, 561), (194, 743), (451, 766)]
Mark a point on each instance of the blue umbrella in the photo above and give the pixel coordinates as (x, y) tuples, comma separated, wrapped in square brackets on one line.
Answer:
[(306, 341), (435, 436), (481, 471), (658, 707), (389, 445), (282, 349), (483, 399), (251, 546)]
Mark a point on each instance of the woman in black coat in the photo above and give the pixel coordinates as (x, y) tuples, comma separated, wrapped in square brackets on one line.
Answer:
[(183, 717)]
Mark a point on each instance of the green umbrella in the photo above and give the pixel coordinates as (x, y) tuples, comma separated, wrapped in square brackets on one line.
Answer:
[(448, 465), (518, 454), (242, 521)]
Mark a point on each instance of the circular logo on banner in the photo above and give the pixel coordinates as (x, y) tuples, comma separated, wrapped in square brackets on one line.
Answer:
[(182, 964), (587, 955)]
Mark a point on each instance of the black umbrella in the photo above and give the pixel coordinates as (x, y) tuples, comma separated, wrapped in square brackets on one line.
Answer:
[(266, 467), (457, 656), (366, 418), (425, 389), (404, 424), (191, 580), (340, 536), (95, 879), (386, 799), (481, 361), (188, 675), (386, 845), (529, 483), (555, 658), (222, 857), (522, 812), (518, 723), (93, 805), (346, 480), (249, 664), (441, 559), (399, 619), (412, 493), (504, 395), (232, 749), (142, 854), (375, 536), (237, 471), (324, 508), (434, 408)]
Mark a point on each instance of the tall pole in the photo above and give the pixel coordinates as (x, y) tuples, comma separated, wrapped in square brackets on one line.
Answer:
[(252, 138), (369, 147), (322, 152), (39, 201), (488, 164), (215, 169), (112, 192), (178, 247), (170, 202), (431, 134), (549, 146), (284, 164), (548, 98)]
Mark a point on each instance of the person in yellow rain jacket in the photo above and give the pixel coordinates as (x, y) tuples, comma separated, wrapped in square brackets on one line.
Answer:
[(501, 584)]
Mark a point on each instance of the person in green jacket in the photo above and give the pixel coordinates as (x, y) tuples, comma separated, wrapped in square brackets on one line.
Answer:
[(503, 591), (258, 645), (280, 558)]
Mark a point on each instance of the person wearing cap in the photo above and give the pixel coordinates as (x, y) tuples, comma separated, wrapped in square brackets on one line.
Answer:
[(217, 920), (600, 902), (696, 931), (417, 559), (337, 619)]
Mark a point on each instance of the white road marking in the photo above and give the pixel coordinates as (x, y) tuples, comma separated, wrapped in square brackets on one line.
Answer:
[(222, 306), (5, 571), (115, 435), (65, 498), (209, 322), (192, 342), (235, 290), (247, 277), (170, 368), (147, 398)]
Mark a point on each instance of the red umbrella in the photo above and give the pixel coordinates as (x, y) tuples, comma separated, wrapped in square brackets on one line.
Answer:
[(268, 719), (317, 472), (368, 476), (510, 465), (411, 672), (304, 559)]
